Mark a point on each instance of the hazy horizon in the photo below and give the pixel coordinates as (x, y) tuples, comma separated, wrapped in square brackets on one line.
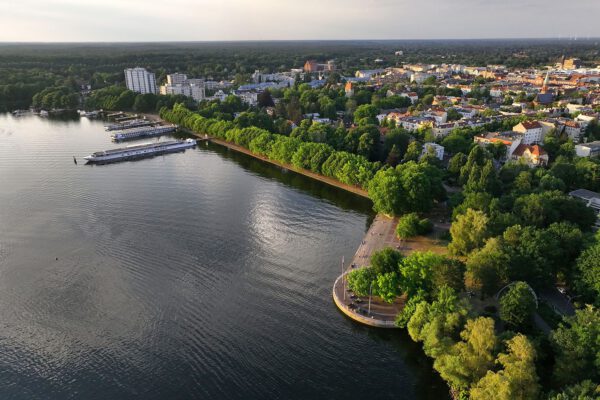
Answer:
[(110, 21)]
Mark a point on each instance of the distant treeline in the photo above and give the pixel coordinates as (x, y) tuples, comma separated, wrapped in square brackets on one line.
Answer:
[(26, 69)]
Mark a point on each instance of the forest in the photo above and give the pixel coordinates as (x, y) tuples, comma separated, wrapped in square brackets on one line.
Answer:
[(27, 69)]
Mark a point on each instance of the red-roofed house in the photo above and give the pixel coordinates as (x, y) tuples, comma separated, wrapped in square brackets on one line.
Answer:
[(534, 155)]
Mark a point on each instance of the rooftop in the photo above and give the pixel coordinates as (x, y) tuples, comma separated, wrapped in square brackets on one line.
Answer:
[(584, 194)]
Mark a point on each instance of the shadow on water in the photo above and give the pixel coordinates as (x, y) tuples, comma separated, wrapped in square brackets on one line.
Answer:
[(339, 197), (428, 384)]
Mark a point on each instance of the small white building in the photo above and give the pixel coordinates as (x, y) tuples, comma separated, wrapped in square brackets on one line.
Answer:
[(437, 149), (591, 149)]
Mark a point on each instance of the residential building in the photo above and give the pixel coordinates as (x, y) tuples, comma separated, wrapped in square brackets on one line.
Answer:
[(312, 66), (413, 96), (140, 81), (214, 85), (349, 89), (531, 131), (510, 139), (591, 149), (437, 149), (592, 200), (250, 98), (414, 123), (533, 155), (369, 73), (420, 77), (443, 130), (176, 79), (572, 63), (572, 129), (179, 84)]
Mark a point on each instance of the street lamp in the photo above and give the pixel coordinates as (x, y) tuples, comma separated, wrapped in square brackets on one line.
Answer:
[(370, 290), (343, 281)]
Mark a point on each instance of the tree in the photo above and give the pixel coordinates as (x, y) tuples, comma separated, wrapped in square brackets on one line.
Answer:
[(517, 306), (365, 115), (456, 163), (265, 100), (413, 152), (588, 273), (396, 137), (422, 184), (394, 157), (487, 269), (415, 272), (385, 261), (145, 102), (448, 273), (468, 360), (576, 344), (584, 390), (436, 323), (468, 232), (386, 191), (360, 280), (387, 286), (453, 115), (517, 380), (409, 309), (410, 225)]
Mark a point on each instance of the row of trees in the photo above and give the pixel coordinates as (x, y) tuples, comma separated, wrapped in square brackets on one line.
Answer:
[(411, 186), (348, 168)]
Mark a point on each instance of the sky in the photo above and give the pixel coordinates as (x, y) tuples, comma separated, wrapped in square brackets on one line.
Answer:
[(210, 20)]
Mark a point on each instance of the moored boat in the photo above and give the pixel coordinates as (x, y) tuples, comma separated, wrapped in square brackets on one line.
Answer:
[(143, 132), (139, 151)]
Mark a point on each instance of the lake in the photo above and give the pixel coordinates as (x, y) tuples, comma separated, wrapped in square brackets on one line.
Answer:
[(205, 274)]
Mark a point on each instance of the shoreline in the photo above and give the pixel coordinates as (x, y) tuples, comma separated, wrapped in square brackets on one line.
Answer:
[(381, 234), (319, 177)]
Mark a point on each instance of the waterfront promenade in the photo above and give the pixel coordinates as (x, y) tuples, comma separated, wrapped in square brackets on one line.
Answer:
[(381, 234)]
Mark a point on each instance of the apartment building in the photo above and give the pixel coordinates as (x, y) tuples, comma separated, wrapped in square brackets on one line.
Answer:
[(139, 80)]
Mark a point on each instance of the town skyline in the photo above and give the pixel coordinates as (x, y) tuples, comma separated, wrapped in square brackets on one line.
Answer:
[(237, 20)]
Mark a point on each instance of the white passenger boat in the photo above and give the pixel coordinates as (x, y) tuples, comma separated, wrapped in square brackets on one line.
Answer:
[(143, 132), (139, 151)]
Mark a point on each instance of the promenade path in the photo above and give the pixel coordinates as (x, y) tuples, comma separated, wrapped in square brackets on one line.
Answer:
[(381, 234)]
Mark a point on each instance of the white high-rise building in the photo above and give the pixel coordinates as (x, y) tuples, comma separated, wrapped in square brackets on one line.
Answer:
[(139, 80)]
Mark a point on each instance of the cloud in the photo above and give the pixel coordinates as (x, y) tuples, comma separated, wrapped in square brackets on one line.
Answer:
[(151, 20)]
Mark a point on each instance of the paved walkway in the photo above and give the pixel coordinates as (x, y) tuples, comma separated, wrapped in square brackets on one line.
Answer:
[(381, 234)]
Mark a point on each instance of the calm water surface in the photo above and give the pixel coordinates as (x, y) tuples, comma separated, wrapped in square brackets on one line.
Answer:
[(197, 275)]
